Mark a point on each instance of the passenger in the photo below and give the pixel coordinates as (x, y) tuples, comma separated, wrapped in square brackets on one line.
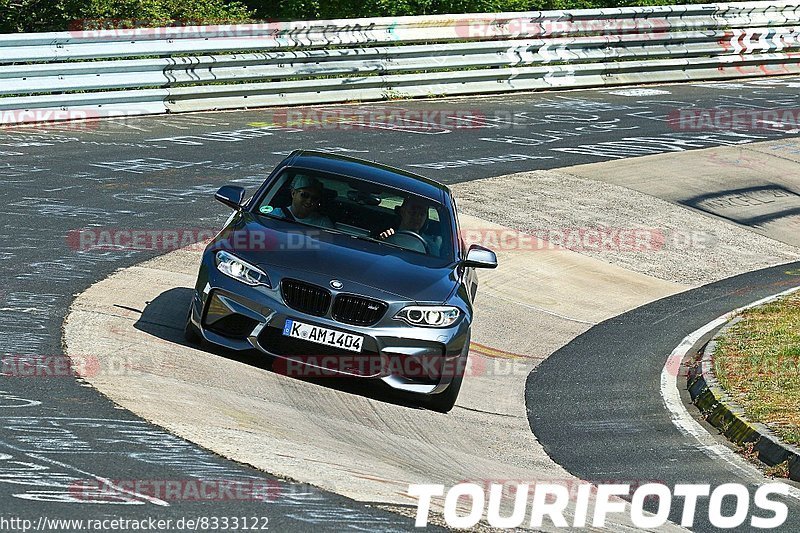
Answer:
[(306, 199), (413, 218)]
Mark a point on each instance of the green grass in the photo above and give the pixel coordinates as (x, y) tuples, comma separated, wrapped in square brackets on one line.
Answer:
[(758, 362)]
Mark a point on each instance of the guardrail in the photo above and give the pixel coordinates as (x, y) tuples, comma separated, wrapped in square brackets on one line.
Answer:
[(91, 73)]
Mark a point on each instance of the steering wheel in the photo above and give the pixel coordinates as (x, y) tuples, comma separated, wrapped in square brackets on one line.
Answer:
[(416, 236)]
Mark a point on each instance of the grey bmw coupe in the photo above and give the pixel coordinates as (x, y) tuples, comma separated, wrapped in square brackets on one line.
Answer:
[(339, 267)]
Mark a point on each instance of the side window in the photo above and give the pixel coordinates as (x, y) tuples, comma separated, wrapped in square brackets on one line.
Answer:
[(391, 202), (278, 195)]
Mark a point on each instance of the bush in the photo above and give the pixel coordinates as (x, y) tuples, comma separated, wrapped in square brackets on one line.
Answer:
[(331, 9), (59, 15)]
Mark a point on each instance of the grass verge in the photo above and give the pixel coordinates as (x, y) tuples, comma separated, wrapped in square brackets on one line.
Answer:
[(757, 362)]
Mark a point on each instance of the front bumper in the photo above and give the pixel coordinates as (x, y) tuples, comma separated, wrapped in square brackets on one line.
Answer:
[(408, 358)]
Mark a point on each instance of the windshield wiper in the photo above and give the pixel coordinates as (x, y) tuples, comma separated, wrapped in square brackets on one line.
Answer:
[(383, 241), (361, 237)]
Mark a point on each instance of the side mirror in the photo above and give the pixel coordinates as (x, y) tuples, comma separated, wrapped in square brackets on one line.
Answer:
[(230, 195), (480, 257)]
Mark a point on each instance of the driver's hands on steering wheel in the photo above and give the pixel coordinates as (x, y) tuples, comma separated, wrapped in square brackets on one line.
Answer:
[(404, 232)]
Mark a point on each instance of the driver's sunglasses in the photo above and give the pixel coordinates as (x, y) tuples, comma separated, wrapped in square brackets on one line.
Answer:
[(305, 195)]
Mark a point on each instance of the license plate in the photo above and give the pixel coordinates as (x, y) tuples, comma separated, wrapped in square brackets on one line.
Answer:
[(320, 335)]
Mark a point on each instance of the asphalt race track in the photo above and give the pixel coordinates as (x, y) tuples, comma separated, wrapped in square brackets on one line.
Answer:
[(586, 401), (161, 172)]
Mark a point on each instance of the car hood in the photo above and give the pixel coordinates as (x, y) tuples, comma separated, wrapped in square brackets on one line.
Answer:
[(369, 268)]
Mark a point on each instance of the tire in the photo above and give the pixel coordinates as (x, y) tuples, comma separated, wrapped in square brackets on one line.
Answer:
[(444, 401), (190, 331)]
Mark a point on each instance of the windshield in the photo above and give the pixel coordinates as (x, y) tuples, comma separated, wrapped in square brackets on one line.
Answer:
[(361, 209)]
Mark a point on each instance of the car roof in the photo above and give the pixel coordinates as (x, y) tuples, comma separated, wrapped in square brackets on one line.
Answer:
[(370, 171)]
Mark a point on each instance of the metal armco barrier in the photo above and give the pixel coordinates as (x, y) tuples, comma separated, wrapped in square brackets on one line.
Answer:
[(90, 73)]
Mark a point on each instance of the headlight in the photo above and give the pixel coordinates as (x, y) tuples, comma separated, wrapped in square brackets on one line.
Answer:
[(233, 267), (429, 316)]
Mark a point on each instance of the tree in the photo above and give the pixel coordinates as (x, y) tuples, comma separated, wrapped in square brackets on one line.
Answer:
[(59, 15)]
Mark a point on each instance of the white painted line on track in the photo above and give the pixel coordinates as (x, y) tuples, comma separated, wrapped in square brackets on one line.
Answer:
[(681, 417), (104, 481)]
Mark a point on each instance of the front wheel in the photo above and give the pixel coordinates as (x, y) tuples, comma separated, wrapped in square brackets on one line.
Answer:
[(444, 401)]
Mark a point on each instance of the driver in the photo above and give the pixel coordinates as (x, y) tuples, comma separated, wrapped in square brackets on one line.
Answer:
[(306, 199), (413, 217)]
